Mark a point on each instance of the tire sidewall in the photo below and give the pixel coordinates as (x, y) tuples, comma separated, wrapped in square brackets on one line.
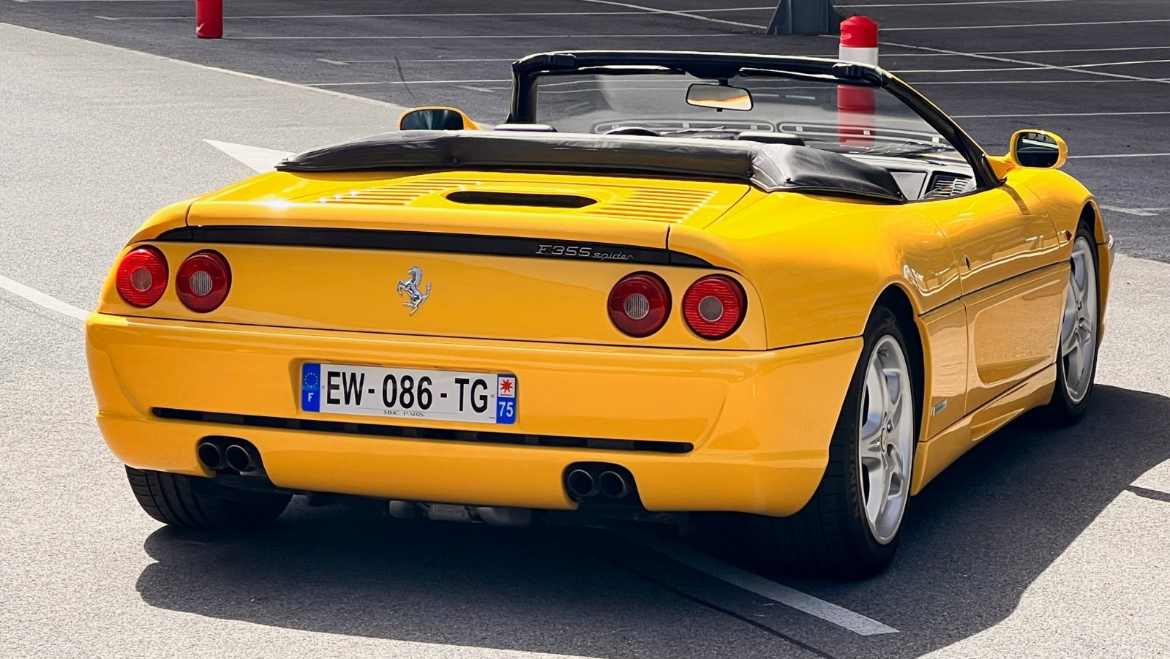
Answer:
[(1065, 409), (847, 435)]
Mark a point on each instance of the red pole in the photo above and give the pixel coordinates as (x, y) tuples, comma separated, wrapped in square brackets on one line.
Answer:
[(209, 19), (856, 105)]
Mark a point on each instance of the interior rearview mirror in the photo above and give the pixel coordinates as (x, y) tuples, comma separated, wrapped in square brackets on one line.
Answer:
[(720, 97), (434, 119), (1038, 148)]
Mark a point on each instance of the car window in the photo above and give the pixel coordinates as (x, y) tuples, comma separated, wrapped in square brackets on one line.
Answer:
[(824, 115)]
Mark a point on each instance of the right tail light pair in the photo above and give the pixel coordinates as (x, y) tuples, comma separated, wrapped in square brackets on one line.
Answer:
[(713, 307), (202, 283)]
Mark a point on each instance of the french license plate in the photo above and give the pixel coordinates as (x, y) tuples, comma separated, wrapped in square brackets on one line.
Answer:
[(405, 393)]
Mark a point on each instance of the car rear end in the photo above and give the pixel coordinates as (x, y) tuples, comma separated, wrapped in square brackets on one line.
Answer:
[(480, 339)]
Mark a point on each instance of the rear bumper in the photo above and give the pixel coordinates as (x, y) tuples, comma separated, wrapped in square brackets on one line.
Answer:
[(760, 421)]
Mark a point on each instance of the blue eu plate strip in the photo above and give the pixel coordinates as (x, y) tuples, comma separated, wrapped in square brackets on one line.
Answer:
[(311, 387)]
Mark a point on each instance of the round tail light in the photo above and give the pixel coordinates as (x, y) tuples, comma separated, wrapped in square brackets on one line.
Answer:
[(142, 277), (714, 306), (639, 304), (203, 281)]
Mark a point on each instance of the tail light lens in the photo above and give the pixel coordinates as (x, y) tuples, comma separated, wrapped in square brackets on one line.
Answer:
[(639, 304), (142, 277), (714, 306), (203, 281)]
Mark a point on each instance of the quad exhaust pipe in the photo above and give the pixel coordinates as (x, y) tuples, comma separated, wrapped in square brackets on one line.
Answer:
[(589, 480), (217, 454)]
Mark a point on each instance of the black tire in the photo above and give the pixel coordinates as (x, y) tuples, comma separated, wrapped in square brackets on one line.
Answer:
[(1063, 410), (188, 502), (830, 536)]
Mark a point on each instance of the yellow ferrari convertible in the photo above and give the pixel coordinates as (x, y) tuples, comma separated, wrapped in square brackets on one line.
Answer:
[(670, 284)]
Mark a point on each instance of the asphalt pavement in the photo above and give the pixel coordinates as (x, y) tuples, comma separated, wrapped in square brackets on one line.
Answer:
[(1039, 543)]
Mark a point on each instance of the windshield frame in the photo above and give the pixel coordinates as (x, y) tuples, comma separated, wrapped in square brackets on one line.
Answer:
[(723, 66)]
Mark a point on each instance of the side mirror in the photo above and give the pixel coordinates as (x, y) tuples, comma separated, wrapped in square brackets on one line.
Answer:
[(435, 119), (1038, 148), (720, 97)]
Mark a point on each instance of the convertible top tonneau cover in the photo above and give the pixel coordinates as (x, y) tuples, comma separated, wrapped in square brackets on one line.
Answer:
[(770, 167)]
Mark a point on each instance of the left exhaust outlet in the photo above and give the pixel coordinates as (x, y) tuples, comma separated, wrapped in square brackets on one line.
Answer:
[(211, 456)]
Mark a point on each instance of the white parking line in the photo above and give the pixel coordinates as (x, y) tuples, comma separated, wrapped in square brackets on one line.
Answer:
[(1035, 82), (1075, 50), (1040, 68), (1141, 212), (827, 611), (36, 297), (1030, 52), (371, 83), (1009, 60), (256, 158), (728, 9), (670, 12), (1023, 25), (346, 62), (1121, 155), (1127, 63), (950, 4), (67, 1), (987, 70), (481, 59)]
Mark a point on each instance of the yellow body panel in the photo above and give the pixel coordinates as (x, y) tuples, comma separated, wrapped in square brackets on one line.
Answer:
[(1013, 331), (945, 341), (982, 274), (939, 452)]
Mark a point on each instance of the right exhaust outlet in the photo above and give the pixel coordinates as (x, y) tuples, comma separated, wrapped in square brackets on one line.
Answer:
[(241, 458), (613, 485)]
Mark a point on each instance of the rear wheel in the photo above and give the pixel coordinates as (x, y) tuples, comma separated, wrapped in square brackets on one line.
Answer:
[(1076, 362), (851, 526), (189, 502)]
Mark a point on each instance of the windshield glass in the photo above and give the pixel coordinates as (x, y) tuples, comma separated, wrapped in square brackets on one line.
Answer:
[(823, 115)]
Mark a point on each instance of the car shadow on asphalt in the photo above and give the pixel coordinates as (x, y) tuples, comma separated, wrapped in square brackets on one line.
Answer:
[(976, 538)]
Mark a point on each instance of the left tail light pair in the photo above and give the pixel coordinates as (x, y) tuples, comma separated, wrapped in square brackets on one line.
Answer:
[(202, 283), (712, 307)]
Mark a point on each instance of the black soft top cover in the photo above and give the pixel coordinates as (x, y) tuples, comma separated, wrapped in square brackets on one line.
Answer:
[(770, 167)]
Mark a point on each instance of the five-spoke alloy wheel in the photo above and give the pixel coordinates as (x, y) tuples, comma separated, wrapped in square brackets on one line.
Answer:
[(851, 526), (887, 439), (1076, 356)]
